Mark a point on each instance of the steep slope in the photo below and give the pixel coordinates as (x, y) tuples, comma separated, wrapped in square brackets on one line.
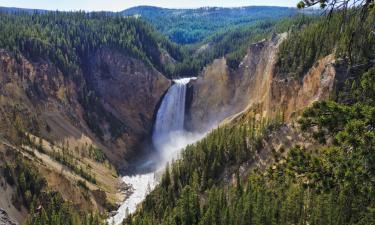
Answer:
[(35, 97), (43, 94), (130, 91), (4, 218), (83, 76), (78, 94), (255, 84), (78, 107), (284, 76)]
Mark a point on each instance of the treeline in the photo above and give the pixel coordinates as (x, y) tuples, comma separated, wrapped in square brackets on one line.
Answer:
[(232, 44), (66, 156), (348, 35), (68, 38), (68, 160)]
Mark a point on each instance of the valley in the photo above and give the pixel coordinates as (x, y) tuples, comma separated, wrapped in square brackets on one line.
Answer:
[(172, 116)]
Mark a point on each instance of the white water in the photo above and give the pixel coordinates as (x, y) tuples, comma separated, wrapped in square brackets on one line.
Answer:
[(141, 184), (169, 137), (171, 114)]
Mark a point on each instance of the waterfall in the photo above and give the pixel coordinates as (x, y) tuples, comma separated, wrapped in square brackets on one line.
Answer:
[(170, 116), (168, 138)]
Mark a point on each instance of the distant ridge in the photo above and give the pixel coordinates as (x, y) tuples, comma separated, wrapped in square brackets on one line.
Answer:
[(189, 26), (24, 10), (243, 9), (192, 25)]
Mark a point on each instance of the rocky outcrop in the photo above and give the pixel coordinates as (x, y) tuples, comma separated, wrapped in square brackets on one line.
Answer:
[(220, 92), (5, 220), (291, 96)]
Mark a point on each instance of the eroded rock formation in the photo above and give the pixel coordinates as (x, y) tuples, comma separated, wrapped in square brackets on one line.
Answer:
[(220, 92)]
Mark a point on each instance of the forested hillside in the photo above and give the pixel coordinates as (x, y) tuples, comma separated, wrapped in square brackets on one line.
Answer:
[(232, 44), (72, 42), (218, 180), (46, 206), (67, 38), (187, 26), (351, 41), (79, 93), (64, 130)]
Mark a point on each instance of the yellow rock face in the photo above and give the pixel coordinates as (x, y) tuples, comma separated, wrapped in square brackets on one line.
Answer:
[(219, 93)]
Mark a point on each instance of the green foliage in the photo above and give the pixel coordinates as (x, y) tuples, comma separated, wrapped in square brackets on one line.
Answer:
[(198, 172), (67, 39), (53, 210), (82, 184), (335, 5), (232, 44), (350, 37), (359, 90), (45, 207), (27, 179), (7, 172), (67, 158), (188, 26), (332, 184), (69, 161), (97, 154)]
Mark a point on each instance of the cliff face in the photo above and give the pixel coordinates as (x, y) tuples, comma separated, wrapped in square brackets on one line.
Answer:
[(4, 218), (109, 106), (31, 90), (116, 89), (292, 95), (219, 92), (130, 91), (210, 97)]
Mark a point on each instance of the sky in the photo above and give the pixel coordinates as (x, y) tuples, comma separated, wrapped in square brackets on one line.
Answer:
[(118, 5)]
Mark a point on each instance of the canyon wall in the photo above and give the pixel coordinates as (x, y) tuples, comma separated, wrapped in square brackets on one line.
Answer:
[(220, 92), (108, 103), (112, 102), (131, 91)]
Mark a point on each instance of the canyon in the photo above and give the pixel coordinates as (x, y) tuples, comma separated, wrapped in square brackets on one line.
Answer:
[(131, 93), (219, 95), (114, 123)]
